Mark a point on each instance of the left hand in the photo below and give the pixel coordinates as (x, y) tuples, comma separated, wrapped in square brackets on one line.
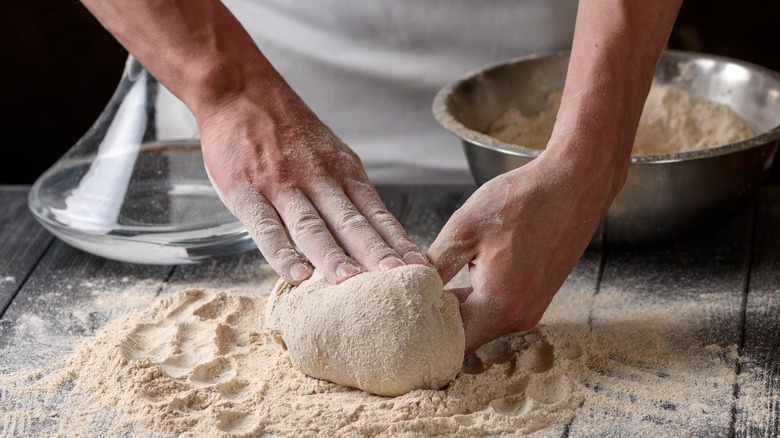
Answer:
[(521, 235)]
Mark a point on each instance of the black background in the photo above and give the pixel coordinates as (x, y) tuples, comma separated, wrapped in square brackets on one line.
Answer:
[(60, 67)]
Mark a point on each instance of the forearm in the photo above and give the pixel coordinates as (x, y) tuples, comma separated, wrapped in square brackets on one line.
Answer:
[(196, 48), (616, 47)]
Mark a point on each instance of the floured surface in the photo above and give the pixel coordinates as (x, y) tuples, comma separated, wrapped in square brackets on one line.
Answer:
[(198, 363), (672, 121), (656, 329)]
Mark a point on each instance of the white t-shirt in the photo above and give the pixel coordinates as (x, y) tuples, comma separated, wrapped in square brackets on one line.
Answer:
[(370, 68)]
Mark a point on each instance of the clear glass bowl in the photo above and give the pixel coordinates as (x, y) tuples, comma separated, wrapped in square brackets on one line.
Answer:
[(134, 187)]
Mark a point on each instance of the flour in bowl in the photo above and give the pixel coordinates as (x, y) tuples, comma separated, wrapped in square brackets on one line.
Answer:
[(673, 121)]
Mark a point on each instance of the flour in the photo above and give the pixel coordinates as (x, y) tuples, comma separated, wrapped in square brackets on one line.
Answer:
[(198, 363), (531, 131), (672, 121), (386, 332)]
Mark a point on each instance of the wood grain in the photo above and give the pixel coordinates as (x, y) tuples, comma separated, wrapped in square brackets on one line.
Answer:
[(70, 294), (22, 242), (758, 393), (721, 290), (653, 318)]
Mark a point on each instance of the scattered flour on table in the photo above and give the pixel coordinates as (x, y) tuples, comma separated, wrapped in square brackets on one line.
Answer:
[(672, 121), (199, 363)]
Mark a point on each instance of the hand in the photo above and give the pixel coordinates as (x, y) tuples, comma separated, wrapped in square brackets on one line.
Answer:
[(521, 235), (274, 164), (290, 180)]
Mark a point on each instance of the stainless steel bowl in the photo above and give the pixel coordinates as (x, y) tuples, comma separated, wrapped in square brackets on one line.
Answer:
[(667, 197)]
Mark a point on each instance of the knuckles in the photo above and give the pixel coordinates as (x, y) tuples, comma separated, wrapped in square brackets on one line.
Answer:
[(382, 218), (265, 229), (307, 224), (353, 223)]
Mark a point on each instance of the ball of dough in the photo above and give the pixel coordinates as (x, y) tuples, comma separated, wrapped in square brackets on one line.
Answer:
[(384, 332)]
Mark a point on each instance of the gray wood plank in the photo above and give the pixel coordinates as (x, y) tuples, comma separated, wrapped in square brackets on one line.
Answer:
[(684, 304), (427, 209), (685, 297), (22, 242), (394, 197), (569, 313), (70, 294), (758, 392)]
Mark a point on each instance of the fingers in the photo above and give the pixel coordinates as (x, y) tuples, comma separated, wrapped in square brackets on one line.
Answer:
[(461, 293), (487, 316), (336, 236), (453, 248), (493, 305), (499, 303), (384, 223), (488, 309), (310, 232), (266, 228), (353, 230)]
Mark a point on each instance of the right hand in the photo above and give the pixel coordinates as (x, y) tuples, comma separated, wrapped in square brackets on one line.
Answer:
[(291, 181)]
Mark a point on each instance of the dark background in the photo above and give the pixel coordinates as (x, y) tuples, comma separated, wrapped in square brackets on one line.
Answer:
[(60, 67)]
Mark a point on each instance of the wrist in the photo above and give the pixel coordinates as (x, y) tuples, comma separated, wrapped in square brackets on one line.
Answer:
[(593, 173), (220, 81), (595, 150)]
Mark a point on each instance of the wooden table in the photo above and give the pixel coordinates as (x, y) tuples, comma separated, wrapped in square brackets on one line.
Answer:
[(728, 278)]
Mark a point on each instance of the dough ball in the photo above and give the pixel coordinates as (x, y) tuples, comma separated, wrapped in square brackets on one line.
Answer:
[(387, 333)]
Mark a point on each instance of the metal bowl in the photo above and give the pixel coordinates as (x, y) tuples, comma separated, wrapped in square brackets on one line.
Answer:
[(667, 197)]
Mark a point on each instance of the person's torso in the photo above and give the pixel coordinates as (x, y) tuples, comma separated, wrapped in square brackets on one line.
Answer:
[(371, 68)]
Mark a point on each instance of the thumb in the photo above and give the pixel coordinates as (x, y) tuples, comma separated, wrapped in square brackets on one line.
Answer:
[(451, 251)]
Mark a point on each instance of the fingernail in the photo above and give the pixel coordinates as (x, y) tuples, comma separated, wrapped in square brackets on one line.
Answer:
[(300, 272), (390, 263), (415, 258), (346, 270)]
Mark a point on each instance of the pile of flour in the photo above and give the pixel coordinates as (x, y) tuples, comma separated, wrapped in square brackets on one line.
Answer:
[(199, 363), (672, 121)]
